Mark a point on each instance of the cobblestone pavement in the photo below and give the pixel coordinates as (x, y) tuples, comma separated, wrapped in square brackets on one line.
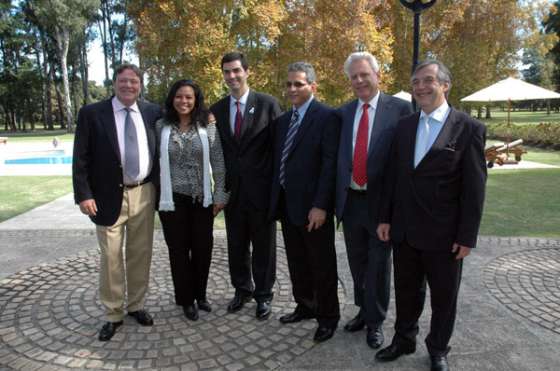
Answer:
[(50, 315), (508, 317)]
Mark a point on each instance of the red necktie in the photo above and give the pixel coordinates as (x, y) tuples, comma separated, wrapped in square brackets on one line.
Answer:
[(359, 169), (238, 121)]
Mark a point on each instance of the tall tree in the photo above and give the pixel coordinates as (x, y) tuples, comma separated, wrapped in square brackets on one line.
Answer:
[(552, 26), (62, 19)]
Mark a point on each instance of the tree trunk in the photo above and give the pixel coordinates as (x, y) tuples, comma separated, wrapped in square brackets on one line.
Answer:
[(84, 70), (103, 31), (488, 115), (41, 71), (63, 41), (60, 110), (479, 112), (48, 92)]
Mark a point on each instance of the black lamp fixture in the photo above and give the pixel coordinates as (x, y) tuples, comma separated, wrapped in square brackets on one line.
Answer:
[(417, 6)]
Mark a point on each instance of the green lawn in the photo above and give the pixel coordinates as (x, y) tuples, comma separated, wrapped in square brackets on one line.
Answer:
[(520, 117), (19, 194), (522, 203), (38, 136)]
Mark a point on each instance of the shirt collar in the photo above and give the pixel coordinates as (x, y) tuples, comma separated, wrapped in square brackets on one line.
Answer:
[(372, 103), (438, 114), (242, 100), (119, 106), (303, 108)]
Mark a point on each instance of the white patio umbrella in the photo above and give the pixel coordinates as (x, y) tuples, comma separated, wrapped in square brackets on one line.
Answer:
[(403, 95), (508, 90)]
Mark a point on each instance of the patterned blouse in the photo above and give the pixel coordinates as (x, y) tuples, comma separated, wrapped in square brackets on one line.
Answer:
[(185, 161)]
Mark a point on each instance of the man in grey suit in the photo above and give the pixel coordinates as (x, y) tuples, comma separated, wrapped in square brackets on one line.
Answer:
[(368, 124)]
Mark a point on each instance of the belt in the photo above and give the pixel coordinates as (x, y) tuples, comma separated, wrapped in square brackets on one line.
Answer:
[(134, 185), (361, 192)]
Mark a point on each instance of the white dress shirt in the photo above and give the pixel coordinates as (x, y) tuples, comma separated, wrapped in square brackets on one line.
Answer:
[(436, 120), (119, 111), (357, 116)]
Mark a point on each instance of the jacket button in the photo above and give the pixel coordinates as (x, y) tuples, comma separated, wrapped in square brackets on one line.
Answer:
[(120, 185)]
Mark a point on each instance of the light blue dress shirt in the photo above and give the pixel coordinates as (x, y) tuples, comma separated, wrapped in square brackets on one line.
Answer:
[(429, 127)]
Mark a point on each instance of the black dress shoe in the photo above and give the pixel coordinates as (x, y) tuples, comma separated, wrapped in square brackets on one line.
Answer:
[(439, 363), (374, 337), (204, 305), (142, 317), (355, 324), (108, 330), (393, 352), (294, 317), (263, 310), (237, 303), (323, 333), (191, 312)]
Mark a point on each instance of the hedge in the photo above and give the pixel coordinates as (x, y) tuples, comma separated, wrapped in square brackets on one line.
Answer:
[(545, 134)]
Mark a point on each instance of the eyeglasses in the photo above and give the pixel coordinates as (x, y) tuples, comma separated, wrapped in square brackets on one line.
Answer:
[(296, 84)]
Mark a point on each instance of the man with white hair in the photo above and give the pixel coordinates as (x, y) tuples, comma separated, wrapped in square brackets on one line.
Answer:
[(368, 124)]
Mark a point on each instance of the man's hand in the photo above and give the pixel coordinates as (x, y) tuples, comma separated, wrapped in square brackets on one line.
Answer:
[(460, 251), (316, 218), (88, 207), (217, 208), (383, 230)]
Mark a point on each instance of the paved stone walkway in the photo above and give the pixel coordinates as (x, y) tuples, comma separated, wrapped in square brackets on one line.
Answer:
[(508, 318)]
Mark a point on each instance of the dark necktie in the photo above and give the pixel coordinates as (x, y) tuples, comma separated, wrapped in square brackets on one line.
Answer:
[(238, 121), (359, 168), (292, 130), (131, 155)]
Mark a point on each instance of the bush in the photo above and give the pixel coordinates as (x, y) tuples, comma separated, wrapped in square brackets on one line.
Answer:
[(545, 134)]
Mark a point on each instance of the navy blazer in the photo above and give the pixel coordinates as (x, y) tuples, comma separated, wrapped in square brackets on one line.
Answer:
[(249, 160), (96, 167), (311, 164), (440, 201), (388, 112)]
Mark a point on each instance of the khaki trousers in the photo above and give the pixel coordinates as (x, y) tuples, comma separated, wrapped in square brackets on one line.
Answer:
[(127, 271)]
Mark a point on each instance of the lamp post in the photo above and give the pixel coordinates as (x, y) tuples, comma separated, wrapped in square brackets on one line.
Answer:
[(417, 6)]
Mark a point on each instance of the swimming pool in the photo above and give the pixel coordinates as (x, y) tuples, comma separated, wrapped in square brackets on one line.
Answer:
[(54, 157)]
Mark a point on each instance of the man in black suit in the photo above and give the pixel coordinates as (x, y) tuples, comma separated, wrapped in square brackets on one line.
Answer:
[(112, 172), (244, 121), (305, 147), (368, 124), (435, 196)]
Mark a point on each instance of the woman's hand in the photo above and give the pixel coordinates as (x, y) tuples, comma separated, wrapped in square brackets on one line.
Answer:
[(217, 208)]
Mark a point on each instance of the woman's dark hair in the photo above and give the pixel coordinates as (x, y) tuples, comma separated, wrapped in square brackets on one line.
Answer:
[(199, 114)]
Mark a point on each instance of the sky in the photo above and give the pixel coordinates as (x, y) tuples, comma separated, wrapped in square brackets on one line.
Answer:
[(97, 65)]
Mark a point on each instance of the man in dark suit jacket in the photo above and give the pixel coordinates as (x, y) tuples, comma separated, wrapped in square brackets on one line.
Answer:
[(306, 142), (434, 205), (113, 168), (368, 124), (244, 121)]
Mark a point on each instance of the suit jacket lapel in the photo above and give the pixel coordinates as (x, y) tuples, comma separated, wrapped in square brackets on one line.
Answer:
[(409, 141), (108, 119), (348, 131), (248, 116), (378, 122)]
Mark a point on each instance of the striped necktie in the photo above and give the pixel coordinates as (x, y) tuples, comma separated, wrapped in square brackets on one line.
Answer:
[(292, 130)]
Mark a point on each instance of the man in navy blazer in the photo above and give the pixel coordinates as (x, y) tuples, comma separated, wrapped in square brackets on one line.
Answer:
[(306, 142), (368, 125), (119, 203), (432, 208)]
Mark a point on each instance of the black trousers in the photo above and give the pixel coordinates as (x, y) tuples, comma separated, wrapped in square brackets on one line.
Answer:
[(313, 272), (246, 226), (442, 272), (369, 259), (188, 234)]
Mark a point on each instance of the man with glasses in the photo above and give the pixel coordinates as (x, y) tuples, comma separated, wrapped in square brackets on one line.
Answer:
[(306, 141), (113, 169)]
